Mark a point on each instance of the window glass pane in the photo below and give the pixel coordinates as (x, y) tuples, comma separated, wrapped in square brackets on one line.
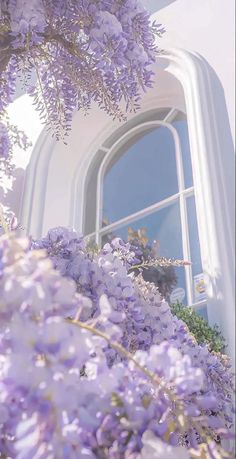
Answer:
[(91, 192), (180, 124), (198, 277), (203, 312), (143, 175), (163, 226)]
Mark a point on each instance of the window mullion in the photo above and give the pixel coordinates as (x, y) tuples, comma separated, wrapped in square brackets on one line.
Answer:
[(140, 214), (104, 149), (171, 115), (99, 206), (186, 248), (147, 211), (184, 219), (188, 192)]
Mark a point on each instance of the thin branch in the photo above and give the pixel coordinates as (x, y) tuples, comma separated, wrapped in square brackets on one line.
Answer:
[(162, 262), (204, 432), (117, 347)]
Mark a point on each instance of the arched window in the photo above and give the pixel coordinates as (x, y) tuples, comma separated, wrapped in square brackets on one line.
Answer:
[(61, 188), (144, 180)]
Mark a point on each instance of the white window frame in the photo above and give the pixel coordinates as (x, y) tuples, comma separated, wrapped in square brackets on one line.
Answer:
[(212, 184), (180, 197)]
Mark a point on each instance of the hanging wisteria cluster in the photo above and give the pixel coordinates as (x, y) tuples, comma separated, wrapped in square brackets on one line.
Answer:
[(160, 271), (79, 51), (93, 364)]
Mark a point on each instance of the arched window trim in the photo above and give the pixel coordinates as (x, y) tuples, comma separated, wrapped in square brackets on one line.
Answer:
[(214, 200), (212, 190), (112, 152), (179, 197)]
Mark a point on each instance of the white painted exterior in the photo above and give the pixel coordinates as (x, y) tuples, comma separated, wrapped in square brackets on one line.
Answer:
[(196, 75), (206, 27)]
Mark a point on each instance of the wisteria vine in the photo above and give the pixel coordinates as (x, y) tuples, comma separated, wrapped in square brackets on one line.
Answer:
[(94, 365), (80, 52)]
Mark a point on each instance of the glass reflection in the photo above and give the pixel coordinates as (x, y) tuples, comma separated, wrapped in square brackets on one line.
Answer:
[(162, 228), (142, 174)]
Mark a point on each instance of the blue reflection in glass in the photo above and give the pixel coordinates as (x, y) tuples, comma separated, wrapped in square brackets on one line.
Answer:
[(143, 175), (202, 312), (182, 128), (163, 226), (194, 237), (194, 247)]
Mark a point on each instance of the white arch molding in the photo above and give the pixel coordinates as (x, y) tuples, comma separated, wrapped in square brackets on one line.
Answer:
[(213, 189)]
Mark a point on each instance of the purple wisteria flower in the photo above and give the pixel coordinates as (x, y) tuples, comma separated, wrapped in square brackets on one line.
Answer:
[(5, 144), (80, 51), (71, 383)]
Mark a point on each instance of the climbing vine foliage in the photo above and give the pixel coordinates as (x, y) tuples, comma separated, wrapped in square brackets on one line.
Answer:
[(79, 52), (94, 365)]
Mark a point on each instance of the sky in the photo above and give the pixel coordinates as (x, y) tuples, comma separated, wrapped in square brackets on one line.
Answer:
[(22, 113)]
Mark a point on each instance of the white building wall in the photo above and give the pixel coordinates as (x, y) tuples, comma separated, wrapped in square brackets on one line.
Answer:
[(202, 26), (206, 27)]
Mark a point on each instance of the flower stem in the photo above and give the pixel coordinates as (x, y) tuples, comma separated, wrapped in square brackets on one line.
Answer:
[(119, 348)]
